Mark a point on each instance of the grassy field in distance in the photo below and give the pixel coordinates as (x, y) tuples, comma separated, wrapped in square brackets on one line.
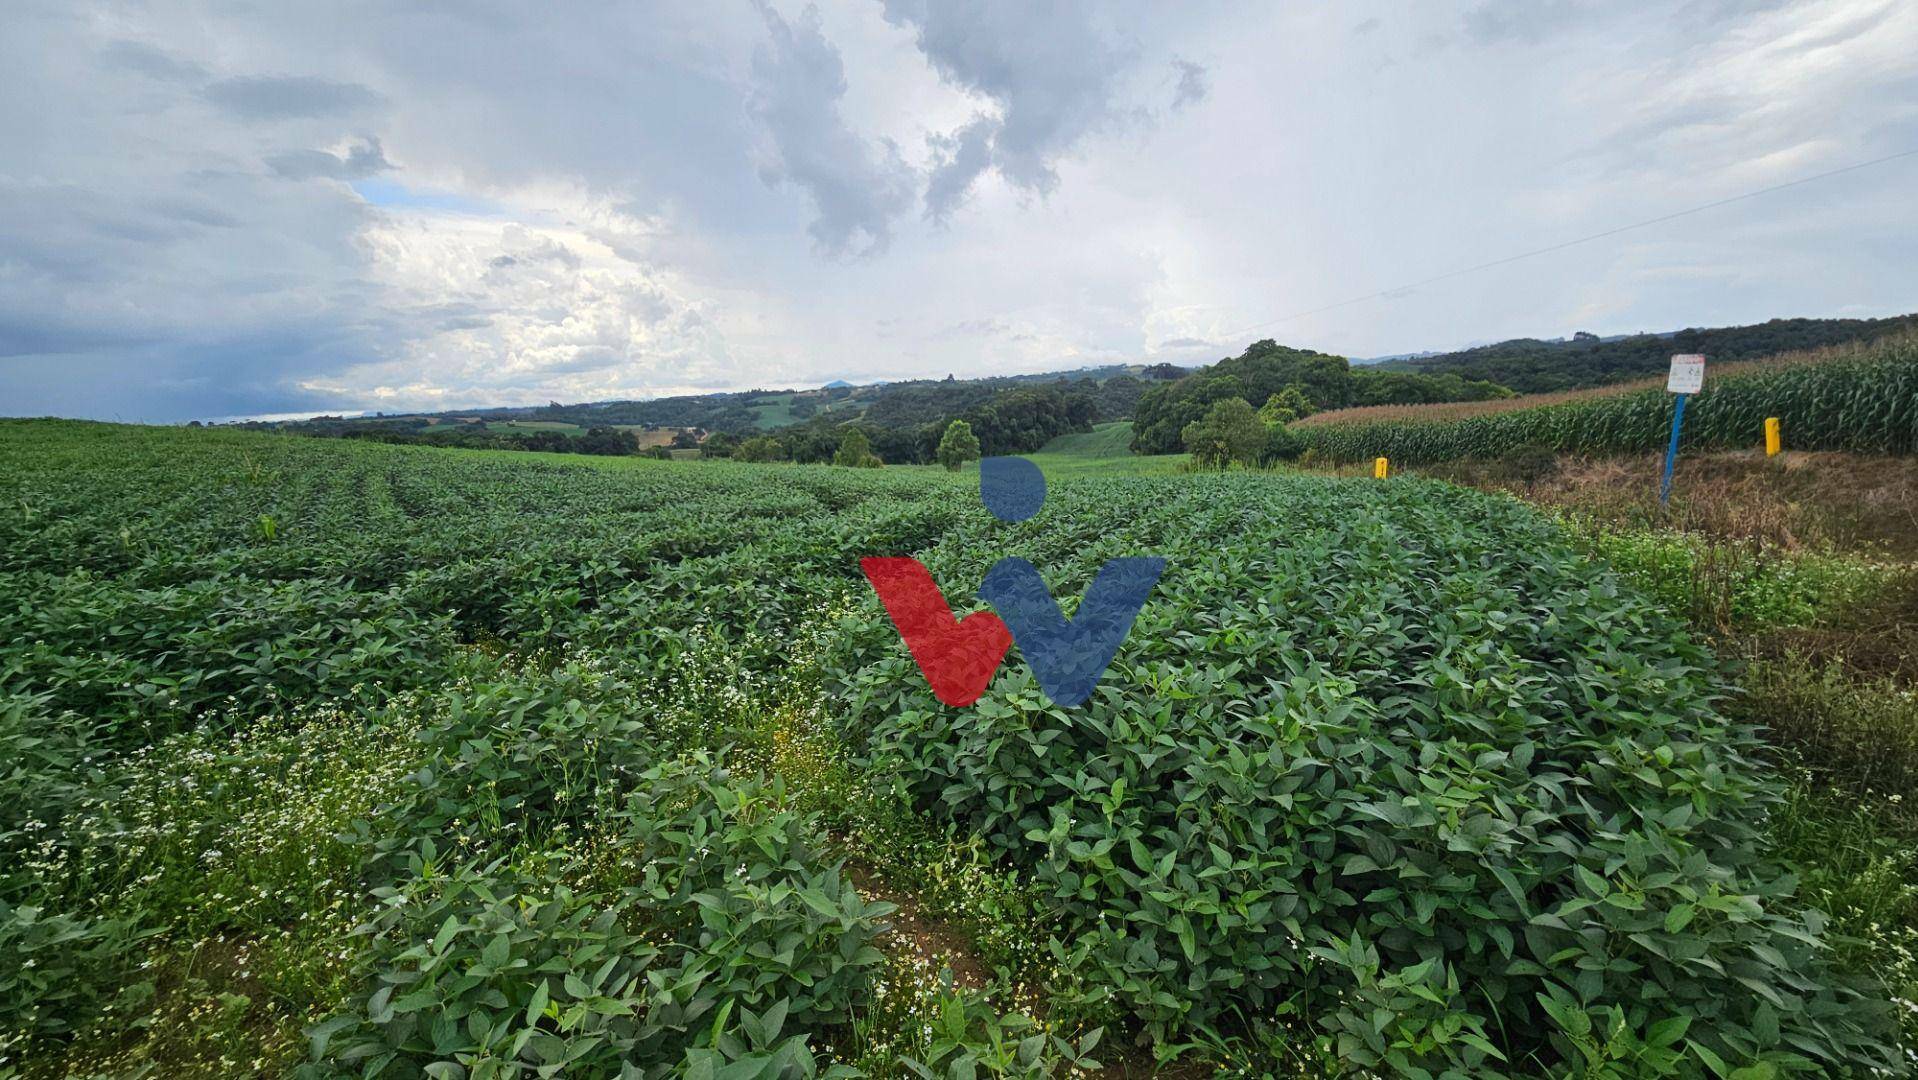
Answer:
[(655, 437), (534, 425), (773, 411), (1103, 451)]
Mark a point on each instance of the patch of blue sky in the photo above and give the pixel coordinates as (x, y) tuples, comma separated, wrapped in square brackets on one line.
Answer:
[(387, 193)]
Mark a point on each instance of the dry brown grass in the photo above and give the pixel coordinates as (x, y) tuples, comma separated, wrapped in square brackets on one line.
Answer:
[(1462, 410), (655, 437), (1826, 500)]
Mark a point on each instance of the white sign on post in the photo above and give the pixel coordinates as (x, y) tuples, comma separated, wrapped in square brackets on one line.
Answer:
[(1688, 374)]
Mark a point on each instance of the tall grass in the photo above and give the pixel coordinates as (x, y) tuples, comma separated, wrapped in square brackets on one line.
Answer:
[(1723, 586), (1857, 735), (1857, 860)]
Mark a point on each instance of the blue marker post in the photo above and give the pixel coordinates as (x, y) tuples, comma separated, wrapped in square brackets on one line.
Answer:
[(1671, 451), (1687, 378)]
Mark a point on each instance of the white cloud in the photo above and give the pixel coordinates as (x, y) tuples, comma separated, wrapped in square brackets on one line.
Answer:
[(510, 312)]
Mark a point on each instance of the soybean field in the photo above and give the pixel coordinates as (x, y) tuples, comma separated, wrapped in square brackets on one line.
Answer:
[(325, 758)]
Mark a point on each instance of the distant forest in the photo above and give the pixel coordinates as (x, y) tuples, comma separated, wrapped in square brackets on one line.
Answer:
[(901, 421), (1267, 369), (1015, 421), (1113, 392), (1530, 366)]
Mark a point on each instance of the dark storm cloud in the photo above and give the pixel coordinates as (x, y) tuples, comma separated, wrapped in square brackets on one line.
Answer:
[(363, 159), (857, 186), (1052, 69), (285, 97), (144, 59), (1524, 21), (1193, 86), (957, 161), (212, 380), (195, 212)]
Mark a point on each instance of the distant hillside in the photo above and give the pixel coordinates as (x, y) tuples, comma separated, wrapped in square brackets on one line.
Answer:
[(1114, 390), (1395, 358), (901, 421), (1531, 366)]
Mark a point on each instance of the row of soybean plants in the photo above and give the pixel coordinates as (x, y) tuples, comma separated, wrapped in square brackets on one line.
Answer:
[(425, 761), (1387, 777)]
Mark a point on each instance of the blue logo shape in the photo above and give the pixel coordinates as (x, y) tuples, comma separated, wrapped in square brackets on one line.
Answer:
[(959, 656), (1069, 657), (1011, 487)]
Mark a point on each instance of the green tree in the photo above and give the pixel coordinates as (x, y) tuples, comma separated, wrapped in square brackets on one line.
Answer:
[(1022, 420), (855, 450), (759, 448), (1281, 444), (1286, 406), (1268, 369), (605, 440), (958, 446), (1229, 432)]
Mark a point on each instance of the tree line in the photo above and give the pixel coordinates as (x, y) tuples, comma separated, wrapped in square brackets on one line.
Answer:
[(602, 440), (1531, 366), (1017, 421), (1007, 421), (1267, 369)]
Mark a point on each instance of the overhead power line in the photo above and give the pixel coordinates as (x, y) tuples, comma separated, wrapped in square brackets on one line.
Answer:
[(1475, 268)]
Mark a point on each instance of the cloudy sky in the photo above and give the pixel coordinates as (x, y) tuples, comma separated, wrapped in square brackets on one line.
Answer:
[(224, 209)]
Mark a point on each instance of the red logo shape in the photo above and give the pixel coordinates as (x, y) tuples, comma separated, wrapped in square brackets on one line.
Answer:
[(957, 656)]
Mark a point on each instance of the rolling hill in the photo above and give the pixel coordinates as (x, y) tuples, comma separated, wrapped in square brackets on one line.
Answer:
[(1531, 366)]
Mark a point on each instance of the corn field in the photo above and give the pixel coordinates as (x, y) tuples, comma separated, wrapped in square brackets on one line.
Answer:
[(1868, 403)]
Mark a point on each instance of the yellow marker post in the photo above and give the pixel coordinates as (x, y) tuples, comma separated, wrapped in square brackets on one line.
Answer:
[(1773, 441), (1378, 468)]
